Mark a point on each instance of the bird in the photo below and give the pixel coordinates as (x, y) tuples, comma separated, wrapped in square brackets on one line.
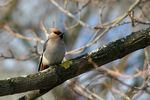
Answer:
[(53, 49), (53, 53)]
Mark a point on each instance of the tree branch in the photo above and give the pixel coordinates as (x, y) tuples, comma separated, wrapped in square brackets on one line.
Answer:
[(55, 75)]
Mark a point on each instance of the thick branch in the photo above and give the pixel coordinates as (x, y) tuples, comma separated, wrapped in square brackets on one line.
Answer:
[(56, 75)]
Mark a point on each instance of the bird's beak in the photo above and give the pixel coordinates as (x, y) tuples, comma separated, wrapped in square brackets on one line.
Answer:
[(61, 35)]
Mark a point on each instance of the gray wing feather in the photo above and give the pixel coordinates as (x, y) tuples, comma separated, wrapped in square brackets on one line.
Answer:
[(41, 57)]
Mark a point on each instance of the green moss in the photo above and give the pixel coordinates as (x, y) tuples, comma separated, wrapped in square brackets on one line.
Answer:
[(66, 64)]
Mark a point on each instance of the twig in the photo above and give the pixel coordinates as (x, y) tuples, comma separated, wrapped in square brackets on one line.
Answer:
[(12, 56), (79, 89), (114, 22), (120, 93), (6, 3), (7, 28), (70, 14), (44, 29), (84, 6)]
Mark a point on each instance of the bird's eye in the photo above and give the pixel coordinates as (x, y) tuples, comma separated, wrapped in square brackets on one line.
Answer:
[(58, 33)]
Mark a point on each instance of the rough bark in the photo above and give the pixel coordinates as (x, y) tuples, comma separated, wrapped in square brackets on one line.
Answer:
[(55, 75)]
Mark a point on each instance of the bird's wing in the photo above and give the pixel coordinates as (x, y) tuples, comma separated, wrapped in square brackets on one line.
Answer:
[(41, 57)]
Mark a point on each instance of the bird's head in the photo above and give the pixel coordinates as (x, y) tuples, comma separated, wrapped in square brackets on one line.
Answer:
[(56, 33)]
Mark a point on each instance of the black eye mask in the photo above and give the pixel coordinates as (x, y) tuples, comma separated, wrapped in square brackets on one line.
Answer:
[(61, 35)]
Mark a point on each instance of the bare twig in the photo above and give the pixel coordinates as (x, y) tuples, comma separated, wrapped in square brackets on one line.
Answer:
[(84, 6), (44, 29), (21, 58), (113, 24), (70, 14), (6, 3), (120, 93), (79, 89), (7, 28)]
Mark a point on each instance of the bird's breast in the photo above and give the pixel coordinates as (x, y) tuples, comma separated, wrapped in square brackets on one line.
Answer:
[(54, 53)]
